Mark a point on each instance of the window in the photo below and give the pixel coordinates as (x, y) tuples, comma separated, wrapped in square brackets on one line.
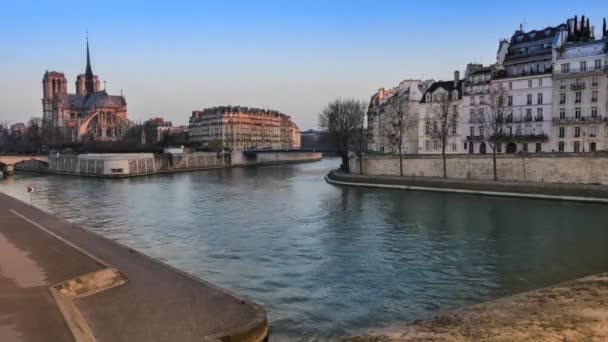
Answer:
[(594, 112), (577, 132), (539, 98), (510, 85), (454, 147), (583, 65), (598, 64), (577, 146), (454, 125), (482, 100), (562, 98), (562, 132), (427, 145), (562, 113), (434, 126), (481, 113), (577, 113), (578, 97), (540, 82), (525, 147), (529, 83), (562, 84), (593, 131), (428, 97), (435, 144), (427, 128), (538, 147), (116, 170), (595, 81), (592, 147), (529, 99), (565, 68), (510, 100), (539, 114), (594, 96), (528, 114), (481, 131), (472, 131)]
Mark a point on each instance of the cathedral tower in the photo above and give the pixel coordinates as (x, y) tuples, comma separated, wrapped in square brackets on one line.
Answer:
[(87, 83)]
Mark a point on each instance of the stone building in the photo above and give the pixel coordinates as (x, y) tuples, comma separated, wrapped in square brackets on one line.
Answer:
[(579, 93), (476, 93), (379, 136), (89, 114), (443, 98), (244, 128), (524, 71)]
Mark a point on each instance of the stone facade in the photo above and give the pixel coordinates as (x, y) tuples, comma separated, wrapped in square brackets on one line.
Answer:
[(545, 167), (244, 128)]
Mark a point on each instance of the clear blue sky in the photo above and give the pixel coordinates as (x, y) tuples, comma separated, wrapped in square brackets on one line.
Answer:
[(294, 56)]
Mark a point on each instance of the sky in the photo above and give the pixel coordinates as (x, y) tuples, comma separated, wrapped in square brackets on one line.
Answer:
[(172, 57)]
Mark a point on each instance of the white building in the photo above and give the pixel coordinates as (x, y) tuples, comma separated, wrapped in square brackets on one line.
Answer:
[(476, 92), (379, 140), (430, 112), (579, 94)]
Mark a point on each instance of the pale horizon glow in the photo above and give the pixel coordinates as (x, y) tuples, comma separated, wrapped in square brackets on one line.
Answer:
[(172, 58)]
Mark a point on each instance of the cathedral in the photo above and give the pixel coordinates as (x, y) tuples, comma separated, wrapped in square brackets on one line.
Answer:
[(89, 114)]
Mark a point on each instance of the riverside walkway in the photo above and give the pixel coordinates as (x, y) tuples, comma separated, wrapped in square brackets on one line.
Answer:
[(59, 282)]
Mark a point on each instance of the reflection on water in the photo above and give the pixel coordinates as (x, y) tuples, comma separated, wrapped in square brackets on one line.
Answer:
[(327, 261)]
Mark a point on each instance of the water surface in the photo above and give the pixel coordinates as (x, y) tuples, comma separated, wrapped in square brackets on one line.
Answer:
[(329, 261)]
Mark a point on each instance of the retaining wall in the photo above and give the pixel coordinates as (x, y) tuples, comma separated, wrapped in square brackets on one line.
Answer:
[(546, 167)]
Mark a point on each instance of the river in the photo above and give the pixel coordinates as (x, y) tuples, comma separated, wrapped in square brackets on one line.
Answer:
[(327, 261)]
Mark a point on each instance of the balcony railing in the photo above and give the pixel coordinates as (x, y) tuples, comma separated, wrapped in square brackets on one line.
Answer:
[(475, 137), (571, 71), (589, 118), (521, 137), (577, 86)]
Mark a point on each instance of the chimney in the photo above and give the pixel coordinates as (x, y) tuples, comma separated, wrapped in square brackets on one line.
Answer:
[(456, 78)]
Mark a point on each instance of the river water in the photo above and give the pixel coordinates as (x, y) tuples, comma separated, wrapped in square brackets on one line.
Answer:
[(329, 261)]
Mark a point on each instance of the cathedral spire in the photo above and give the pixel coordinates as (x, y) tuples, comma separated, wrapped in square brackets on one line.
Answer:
[(90, 82)]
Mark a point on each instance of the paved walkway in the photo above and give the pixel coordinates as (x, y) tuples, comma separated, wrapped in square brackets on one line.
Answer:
[(153, 303)]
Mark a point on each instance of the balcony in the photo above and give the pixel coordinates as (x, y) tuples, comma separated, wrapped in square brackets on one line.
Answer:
[(560, 72), (577, 86), (475, 137), (585, 119), (527, 118), (538, 118), (522, 137)]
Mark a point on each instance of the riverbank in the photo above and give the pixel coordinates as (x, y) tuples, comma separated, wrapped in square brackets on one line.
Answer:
[(571, 311), (123, 165), (533, 190), (60, 282)]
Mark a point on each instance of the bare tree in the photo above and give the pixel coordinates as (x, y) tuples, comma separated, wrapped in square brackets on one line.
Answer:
[(445, 113), (399, 118), (359, 139), (492, 119), (340, 119)]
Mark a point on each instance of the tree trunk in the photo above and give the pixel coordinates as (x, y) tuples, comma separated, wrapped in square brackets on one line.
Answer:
[(445, 170), (494, 162), (361, 164), (345, 165), (400, 162)]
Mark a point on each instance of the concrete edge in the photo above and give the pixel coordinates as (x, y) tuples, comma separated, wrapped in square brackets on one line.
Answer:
[(169, 171), (253, 331), (73, 318), (467, 192)]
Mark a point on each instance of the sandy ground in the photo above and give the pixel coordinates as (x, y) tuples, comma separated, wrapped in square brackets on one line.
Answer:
[(572, 311)]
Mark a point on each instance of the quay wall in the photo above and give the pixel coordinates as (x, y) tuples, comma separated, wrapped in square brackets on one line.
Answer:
[(137, 164), (547, 167)]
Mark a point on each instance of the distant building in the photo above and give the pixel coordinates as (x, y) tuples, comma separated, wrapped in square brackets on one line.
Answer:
[(243, 128), (476, 95), (90, 113), (18, 128)]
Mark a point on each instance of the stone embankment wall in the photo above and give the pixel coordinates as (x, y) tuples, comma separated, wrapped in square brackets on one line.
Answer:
[(546, 167), (136, 164)]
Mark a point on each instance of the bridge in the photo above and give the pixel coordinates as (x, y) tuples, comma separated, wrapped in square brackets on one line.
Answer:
[(9, 161)]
